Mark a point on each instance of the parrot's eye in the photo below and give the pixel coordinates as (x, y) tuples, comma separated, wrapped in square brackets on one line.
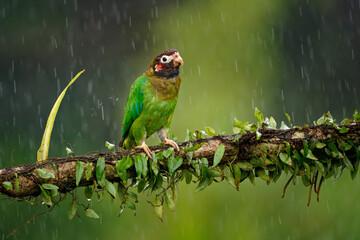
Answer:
[(166, 59)]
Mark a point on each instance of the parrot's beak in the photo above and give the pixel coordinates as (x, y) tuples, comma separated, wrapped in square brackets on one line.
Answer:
[(178, 60)]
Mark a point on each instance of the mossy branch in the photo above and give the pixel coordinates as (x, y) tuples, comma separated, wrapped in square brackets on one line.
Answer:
[(238, 148)]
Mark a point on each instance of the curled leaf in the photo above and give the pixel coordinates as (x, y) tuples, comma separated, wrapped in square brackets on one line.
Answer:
[(43, 151)]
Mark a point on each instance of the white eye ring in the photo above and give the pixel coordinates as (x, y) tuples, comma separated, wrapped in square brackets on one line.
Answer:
[(166, 59)]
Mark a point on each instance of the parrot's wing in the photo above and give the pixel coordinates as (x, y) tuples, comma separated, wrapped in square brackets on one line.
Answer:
[(134, 105)]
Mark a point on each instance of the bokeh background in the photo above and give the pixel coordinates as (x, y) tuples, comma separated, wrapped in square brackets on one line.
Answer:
[(298, 57)]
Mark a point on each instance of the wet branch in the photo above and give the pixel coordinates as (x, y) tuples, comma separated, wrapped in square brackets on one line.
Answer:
[(237, 148)]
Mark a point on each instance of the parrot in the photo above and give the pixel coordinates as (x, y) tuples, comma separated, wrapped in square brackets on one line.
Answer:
[(151, 103)]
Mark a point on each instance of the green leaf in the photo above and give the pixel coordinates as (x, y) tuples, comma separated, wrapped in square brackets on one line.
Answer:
[(110, 188), (17, 185), (219, 153), (346, 121), (284, 157), (307, 169), (131, 206), (258, 135), (109, 145), (214, 172), (43, 151), (7, 185), (344, 129), (158, 208), (88, 192), (45, 174), (288, 118), (123, 175), (100, 170), (348, 163), (320, 167), (251, 177), (237, 175), (245, 166), (174, 163), (121, 166), (91, 213), (284, 126), (344, 145), (45, 196), (79, 171), (297, 156), (309, 155), (320, 145), (154, 164), (68, 151), (259, 117), (49, 186), (88, 172), (305, 180), (210, 131), (72, 210), (100, 195), (141, 165), (122, 192), (260, 172), (169, 201), (271, 123), (203, 184), (124, 164), (229, 176), (188, 176), (356, 169), (356, 115), (305, 151), (134, 196), (142, 185), (166, 153)]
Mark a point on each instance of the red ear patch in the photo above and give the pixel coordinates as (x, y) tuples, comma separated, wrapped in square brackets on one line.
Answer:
[(159, 67)]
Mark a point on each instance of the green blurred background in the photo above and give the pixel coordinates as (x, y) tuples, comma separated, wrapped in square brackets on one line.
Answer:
[(299, 57)]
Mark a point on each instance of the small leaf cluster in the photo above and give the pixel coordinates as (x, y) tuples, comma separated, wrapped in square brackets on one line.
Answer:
[(316, 162)]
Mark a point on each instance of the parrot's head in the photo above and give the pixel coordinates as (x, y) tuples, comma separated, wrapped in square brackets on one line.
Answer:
[(166, 64)]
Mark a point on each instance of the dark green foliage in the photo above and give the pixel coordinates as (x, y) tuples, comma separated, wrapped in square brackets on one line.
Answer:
[(159, 176)]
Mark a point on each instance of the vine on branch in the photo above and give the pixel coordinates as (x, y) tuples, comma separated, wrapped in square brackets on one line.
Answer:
[(308, 155)]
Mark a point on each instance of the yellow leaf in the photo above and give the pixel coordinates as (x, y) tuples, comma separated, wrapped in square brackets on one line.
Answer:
[(43, 151)]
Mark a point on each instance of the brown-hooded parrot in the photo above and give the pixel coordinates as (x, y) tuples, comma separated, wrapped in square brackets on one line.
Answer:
[(151, 102)]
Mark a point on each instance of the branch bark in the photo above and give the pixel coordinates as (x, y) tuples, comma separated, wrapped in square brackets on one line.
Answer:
[(237, 148)]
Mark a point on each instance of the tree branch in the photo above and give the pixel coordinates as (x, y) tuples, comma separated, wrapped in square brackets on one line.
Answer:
[(237, 148)]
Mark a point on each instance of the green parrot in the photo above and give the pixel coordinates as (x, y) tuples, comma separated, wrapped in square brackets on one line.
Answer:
[(151, 103)]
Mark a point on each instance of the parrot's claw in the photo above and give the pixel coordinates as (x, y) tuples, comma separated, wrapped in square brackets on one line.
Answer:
[(146, 149), (171, 143)]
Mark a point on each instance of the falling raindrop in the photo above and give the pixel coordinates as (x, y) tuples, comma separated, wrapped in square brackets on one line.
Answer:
[(14, 83), (102, 112), (71, 50)]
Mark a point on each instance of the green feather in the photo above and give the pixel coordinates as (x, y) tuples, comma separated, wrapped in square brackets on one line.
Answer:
[(134, 104), (150, 106)]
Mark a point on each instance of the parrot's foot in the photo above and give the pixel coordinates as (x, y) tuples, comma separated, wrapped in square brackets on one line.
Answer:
[(171, 143), (146, 149)]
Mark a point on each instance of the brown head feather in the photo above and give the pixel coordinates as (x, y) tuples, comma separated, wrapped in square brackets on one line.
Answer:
[(166, 64)]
